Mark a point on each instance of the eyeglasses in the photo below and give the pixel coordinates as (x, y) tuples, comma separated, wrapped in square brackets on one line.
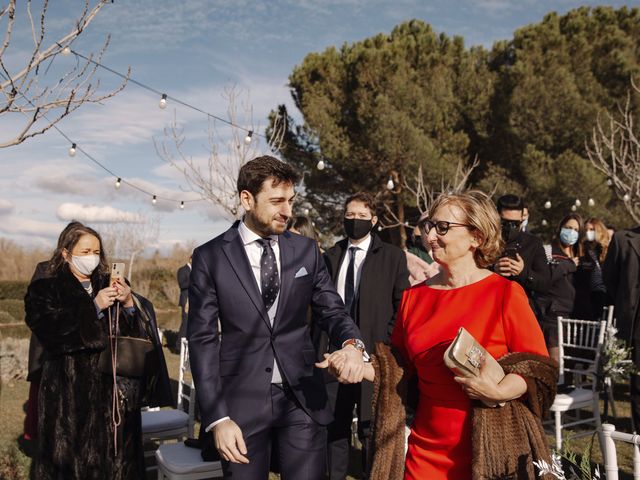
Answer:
[(441, 226)]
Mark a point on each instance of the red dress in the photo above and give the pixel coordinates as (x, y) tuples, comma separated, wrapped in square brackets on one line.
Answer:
[(497, 313)]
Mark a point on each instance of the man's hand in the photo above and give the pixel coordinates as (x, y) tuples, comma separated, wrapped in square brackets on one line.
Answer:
[(352, 366), (509, 267), (229, 442)]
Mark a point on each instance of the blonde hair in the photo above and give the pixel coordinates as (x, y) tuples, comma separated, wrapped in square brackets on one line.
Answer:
[(602, 236), (482, 217)]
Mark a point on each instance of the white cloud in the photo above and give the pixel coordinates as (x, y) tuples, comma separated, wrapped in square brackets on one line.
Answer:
[(6, 206), (96, 214), (24, 226)]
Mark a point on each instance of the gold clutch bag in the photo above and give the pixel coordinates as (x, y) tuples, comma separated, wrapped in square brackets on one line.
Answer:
[(465, 355)]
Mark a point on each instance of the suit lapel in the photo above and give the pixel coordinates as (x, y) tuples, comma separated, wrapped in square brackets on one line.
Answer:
[(235, 253), (634, 240), (287, 271)]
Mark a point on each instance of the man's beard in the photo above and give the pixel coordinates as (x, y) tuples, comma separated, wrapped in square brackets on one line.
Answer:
[(265, 228)]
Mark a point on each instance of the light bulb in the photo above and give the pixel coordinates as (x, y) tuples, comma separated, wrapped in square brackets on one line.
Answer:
[(72, 150), (66, 50), (379, 228), (305, 211), (320, 165), (609, 182), (578, 202), (547, 204), (591, 202), (626, 197), (154, 200), (247, 139), (573, 208), (181, 205), (544, 223), (163, 101), (118, 182), (390, 184)]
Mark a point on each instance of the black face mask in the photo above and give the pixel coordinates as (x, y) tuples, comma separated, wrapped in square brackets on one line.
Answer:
[(356, 228), (510, 230)]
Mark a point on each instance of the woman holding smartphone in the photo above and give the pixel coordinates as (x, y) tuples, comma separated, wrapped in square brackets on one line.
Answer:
[(68, 311)]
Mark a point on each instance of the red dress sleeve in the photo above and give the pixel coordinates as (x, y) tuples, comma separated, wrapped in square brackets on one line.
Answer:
[(399, 333), (521, 327)]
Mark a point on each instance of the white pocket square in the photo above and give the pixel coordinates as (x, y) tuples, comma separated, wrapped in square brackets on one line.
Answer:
[(301, 273)]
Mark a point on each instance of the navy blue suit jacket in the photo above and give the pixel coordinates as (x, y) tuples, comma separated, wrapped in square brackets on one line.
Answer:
[(232, 367)]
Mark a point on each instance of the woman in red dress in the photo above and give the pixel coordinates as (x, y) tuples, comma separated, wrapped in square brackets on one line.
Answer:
[(463, 231)]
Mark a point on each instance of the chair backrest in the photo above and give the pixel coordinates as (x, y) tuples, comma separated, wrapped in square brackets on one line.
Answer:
[(580, 345), (186, 388), (607, 314), (610, 458)]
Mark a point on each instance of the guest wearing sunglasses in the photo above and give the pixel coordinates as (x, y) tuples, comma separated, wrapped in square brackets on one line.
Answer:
[(523, 259), (446, 440)]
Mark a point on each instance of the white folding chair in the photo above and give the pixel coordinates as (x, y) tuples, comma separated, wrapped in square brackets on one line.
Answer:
[(610, 458), (607, 315), (584, 338), (162, 425)]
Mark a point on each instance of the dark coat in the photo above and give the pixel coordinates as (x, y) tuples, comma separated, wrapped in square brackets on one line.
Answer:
[(35, 349), (562, 293), (535, 277), (232, 371), (182, 276), (383, 278), (621, 275), (75, 437)]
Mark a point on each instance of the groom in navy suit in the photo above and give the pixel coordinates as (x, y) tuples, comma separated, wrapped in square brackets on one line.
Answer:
[(250, 349)]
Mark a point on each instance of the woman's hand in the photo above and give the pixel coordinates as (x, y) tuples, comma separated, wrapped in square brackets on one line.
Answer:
[(105, 298), (123, 293), (484, 388)]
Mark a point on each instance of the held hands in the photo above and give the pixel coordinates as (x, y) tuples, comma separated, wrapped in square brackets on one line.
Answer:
[(229, 442), (509, 267), (345, 364)]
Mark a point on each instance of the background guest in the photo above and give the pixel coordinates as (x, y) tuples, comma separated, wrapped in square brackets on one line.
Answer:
[(182, 275), (591, 293)]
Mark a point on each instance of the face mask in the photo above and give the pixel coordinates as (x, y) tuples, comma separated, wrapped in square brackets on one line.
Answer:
[(510, 230), (356, 228), (568, 236), (591, 235), (85, 264)]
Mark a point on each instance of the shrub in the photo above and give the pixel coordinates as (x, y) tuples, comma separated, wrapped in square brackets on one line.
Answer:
[(13, 290)]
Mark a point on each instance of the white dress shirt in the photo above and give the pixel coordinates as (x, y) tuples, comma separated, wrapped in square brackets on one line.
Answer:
[(253, 250), (361, 254)]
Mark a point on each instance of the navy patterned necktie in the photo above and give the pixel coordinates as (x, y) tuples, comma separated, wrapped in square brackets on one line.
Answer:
[(269, 278)]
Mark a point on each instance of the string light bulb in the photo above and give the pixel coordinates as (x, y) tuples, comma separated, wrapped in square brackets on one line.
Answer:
[(573, 208), (182, 205), (578, 202), (591, 202), (390, 184), (66, 50), (72, 150), (305, 211), (154, 200), (544, 223), (118, 182), (547, 204), (379, 228), (320, 165), (609, 182), (163, 101), (626, 197), (247, 139)]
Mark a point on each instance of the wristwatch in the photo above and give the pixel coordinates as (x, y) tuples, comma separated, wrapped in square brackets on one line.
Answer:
[(359, 344)]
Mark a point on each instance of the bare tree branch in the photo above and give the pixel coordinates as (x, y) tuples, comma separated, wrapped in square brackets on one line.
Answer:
[(21, 89), (614, 149), (215, 179)]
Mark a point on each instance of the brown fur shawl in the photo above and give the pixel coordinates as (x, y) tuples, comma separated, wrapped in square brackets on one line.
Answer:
[(505, 440)]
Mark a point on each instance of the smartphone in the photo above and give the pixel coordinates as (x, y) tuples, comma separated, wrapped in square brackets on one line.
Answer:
[(117, 273), (511, 252)]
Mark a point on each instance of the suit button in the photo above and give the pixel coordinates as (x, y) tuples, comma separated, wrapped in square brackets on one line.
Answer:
[(268, 369)]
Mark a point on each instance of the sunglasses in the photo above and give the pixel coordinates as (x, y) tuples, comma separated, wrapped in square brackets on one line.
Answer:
[(441, 226)]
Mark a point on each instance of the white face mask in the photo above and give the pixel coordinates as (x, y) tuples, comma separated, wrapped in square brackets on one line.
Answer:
[(85, 264), (591, 235)]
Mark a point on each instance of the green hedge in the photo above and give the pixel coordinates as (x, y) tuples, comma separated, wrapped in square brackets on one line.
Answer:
[(15, 308), (13, 290)]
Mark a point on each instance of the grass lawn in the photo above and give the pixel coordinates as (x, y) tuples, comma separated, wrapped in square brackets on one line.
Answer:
[(15, 462)]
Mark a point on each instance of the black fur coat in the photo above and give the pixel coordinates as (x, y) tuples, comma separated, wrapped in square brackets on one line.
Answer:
[(75, 436)]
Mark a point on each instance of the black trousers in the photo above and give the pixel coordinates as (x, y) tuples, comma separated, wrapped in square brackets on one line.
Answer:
[(634, 382), (345, 398), (301, 443)]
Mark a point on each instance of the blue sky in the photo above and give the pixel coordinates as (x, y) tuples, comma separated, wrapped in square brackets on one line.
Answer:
[(194, 50)]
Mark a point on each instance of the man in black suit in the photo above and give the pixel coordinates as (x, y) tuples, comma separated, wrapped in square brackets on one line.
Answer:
[(255, 378), (182, 275), (370, 275), (621, 275), (524, 260)]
